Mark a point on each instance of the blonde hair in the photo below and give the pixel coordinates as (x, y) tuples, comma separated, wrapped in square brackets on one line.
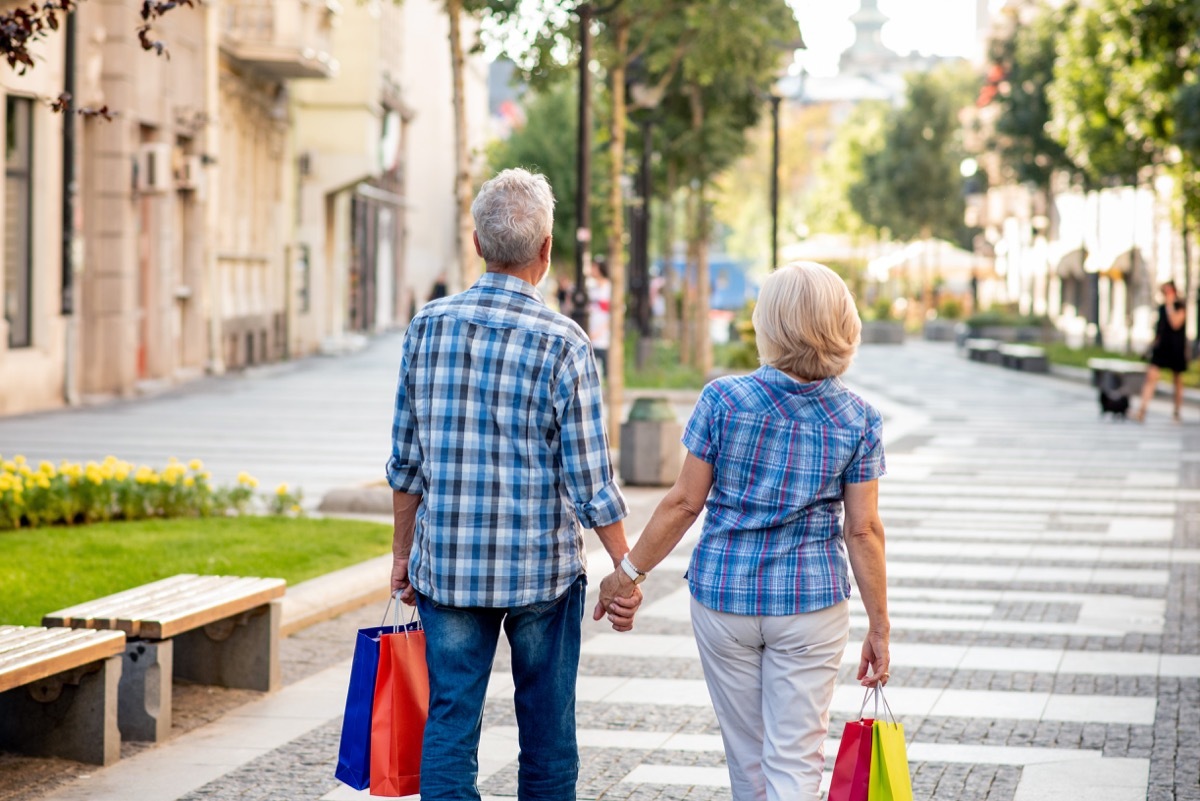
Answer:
[(806, 322)]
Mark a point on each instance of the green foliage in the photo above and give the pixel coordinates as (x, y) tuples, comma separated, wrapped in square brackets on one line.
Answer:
[(1089, 100), (830, 208), (663, 370), (910, 186), (51, 568), (950, 309), (1023, 68), (1002, 316), (545, 144), (882, 310)]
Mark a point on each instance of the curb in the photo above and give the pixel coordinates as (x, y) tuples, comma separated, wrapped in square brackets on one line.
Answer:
[(325, 597)]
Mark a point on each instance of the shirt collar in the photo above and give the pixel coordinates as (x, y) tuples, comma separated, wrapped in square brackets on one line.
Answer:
[(509, 283), (775, 377)]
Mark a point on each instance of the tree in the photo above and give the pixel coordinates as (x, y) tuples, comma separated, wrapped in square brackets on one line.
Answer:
[(911, 186), (551, 120), (830, 209), (26, 25), (1023, 67)]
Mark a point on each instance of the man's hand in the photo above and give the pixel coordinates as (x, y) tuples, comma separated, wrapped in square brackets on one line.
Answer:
[(400, 580), (620, 599)]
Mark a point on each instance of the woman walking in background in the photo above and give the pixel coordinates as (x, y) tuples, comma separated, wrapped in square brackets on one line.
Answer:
[(1168, 351), (776, 457)]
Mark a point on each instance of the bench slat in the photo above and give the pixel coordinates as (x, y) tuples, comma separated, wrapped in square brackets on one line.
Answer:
[(103, 608), (172, 606), (49, 651)]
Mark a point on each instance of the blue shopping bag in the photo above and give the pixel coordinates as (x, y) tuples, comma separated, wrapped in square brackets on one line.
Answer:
[(354, 751)]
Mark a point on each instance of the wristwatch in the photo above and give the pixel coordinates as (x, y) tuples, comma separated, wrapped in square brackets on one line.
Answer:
[(635, 575)]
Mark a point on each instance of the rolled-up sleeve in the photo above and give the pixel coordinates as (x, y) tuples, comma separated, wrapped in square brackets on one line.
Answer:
[(587, 468), (404, 466), (869, 462)]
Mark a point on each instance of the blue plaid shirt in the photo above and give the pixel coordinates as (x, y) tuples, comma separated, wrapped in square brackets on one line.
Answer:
[(782, 452), (499, 429)]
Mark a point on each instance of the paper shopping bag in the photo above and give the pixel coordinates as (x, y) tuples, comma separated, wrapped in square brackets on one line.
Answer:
[(852, 768), (399, 713), (354, 752), (890, 780)]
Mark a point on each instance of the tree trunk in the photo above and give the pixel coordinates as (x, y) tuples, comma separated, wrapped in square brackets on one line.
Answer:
[(616, 239), (688, 352), (468, 267), (670, 284), (703, 339)]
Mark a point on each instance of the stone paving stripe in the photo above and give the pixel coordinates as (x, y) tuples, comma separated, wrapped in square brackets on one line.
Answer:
[(936, 657), (1099, 616), (192, 760), (905, 701), (907, 533), (895, 501), (1049, 553), (1116, 779), (960, 571)]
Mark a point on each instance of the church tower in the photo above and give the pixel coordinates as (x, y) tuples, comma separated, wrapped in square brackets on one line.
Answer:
[(868, 54)]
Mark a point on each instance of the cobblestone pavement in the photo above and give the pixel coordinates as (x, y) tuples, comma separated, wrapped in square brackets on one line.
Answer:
[(1044, 576)]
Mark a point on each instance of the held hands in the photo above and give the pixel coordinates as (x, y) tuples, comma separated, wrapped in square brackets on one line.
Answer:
[(876, 656), (619, 598), (400, 580)]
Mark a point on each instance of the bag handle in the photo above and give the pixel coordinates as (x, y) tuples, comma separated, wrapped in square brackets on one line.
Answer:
[(877, 692), (396, 627)]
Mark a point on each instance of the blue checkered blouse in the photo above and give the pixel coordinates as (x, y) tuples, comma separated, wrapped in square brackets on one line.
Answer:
[(499, 428), (782, 452)]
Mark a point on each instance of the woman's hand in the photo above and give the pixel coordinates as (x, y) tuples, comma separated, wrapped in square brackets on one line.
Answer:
[(620, 599), (876, 659)]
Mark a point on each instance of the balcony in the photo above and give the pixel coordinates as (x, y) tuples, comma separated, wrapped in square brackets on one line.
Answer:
[(283, 38)]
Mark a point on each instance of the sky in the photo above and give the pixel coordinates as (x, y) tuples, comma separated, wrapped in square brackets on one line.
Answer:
[(936, 27)]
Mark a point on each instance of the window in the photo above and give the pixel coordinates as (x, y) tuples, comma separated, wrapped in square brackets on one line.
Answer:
[(18, 234)]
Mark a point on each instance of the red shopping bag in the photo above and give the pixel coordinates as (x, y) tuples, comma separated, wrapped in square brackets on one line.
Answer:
[(398, 715), (852, 768)]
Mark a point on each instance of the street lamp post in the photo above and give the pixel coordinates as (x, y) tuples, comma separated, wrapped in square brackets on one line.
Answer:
[(583, 169), (775, 100)]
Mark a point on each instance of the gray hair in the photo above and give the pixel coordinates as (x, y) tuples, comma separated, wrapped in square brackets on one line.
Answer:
[(514, 213), (806, 322)]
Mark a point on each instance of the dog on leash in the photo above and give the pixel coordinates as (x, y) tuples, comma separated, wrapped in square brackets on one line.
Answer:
[(1112, 400)]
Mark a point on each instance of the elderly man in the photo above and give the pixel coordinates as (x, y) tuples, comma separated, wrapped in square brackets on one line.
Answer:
[(499, 455)]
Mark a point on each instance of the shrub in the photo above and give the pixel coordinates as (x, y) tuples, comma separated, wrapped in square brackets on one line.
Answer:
[(93, 492)]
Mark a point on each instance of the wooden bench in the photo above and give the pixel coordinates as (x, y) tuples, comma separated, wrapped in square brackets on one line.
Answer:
[(1027, 358), (221, 630), (983, 350), (1118, 377), (58, 692)]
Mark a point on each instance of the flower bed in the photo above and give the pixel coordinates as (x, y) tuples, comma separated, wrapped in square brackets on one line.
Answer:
[(72, 493)]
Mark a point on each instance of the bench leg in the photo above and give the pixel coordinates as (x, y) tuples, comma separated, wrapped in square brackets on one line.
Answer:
[(144, 709), (72, 715), (241, 651)]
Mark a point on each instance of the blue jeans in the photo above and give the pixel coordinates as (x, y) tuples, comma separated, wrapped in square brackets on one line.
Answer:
[(460, 647)]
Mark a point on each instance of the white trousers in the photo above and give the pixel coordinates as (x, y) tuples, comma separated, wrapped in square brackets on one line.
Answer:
[(771, 680)]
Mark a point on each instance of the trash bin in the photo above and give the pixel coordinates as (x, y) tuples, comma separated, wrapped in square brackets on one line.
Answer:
[(651, 451)]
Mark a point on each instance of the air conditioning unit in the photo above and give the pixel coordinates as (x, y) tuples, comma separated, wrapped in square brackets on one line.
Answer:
[(189, 174), (155, 173)]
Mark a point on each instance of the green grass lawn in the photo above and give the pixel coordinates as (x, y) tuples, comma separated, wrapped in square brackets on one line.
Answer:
[(45, 569), (1060, 353)]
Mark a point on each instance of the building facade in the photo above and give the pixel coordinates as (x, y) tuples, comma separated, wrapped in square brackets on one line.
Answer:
[(249, 201)]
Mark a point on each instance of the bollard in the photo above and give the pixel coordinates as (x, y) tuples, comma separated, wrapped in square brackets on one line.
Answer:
[(651, 451)]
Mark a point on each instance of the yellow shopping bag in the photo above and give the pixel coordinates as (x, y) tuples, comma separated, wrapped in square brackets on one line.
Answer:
[(890, 780)]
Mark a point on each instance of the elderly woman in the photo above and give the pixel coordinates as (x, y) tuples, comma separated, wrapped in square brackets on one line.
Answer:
[(775, 457)]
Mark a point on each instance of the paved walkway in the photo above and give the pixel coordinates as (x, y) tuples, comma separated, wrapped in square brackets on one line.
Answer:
[(1045, 592)]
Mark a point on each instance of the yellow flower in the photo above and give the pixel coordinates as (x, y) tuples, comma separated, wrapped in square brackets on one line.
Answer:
[(10, 467), (5, 482), (47, 468), (281, 489), (43, 482), (19, 459), (25, 470), (189, 482), (121, 473), (247, 479), (296, 508), (196, 465), (110, 460), (206, 475)]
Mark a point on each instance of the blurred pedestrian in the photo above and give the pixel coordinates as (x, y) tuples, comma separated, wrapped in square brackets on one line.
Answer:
[(600, 312), (1168, 350), (776, 457), (438, 290), (499, 456)]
